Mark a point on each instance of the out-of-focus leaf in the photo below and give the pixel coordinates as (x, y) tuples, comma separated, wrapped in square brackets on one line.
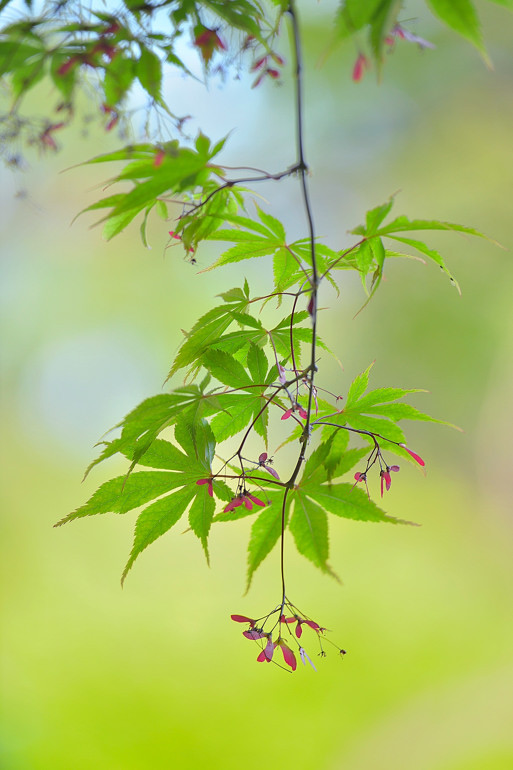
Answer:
[(461, 15), (119, 76), (355, 14), (149, 72), (381, 24), (156, 520)]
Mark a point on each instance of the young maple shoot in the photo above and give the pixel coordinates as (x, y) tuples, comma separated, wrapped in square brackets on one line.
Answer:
[(190, 451)]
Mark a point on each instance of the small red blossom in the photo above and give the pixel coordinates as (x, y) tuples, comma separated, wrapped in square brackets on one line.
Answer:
[(263, 62), (242, 619), (299, 409), (414, 455), (410, 37), (243, 498), (270, 71), (248, 42), (210, 485), (179, 238), (107, 110), (266, 70), (362, 477), (311, 623), (289, 614), (259, 63), (264, 462), (385, 479), (234, 503), (112, 122), (159, 159), (255, 500), (385, 476), (288, 655), (46, 138), (254, 633), (267, 652), (360, 65)]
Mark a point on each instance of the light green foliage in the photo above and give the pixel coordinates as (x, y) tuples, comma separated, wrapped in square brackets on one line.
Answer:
[(460, 15), (377, 413), (133, 44), (243, 373), (233, 346), (156, 173), (250, 405), (178, 470), (369, 257)]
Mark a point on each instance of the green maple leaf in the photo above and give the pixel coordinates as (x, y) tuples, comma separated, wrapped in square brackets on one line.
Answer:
[(178, 470)]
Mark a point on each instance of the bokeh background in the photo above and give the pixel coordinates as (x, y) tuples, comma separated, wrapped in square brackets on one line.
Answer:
[(155, 675)]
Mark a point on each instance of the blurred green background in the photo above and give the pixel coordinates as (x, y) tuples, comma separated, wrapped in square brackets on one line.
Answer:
[(156, 675)]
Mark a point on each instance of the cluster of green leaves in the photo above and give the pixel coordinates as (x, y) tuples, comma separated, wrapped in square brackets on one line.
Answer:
[(182, 170), (32, 48), (379, 17), (369, 255), (133, 46), (178, 471), (197, 443), (157, 173), (241, 372), (237, 394)]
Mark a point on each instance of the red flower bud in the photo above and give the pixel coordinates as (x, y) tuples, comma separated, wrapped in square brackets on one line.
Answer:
[(359, 68), (254, 633), (414, 455), (210, 485), (385, 477), (242, 619), (288, 656), (159, 158), (259, 63)]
